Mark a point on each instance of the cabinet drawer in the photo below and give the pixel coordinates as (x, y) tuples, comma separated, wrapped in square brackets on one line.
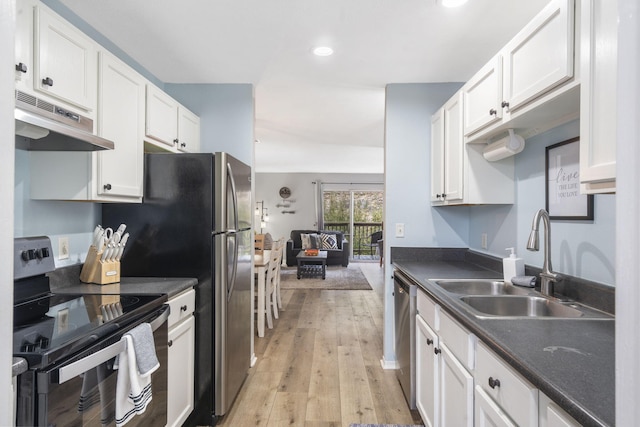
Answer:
[(428, 309), (182, 306), (460, 341), (515, 395)]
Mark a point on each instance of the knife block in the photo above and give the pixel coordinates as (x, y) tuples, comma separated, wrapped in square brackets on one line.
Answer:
[(96, 271)]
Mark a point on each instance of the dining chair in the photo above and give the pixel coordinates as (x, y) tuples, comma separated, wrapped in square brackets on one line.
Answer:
[(273, 274), (280, 248)]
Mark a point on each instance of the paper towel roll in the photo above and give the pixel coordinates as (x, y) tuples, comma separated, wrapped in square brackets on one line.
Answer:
[(503, 148)]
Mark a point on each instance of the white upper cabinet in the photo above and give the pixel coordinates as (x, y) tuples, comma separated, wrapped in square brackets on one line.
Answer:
[(170, 125), (531, 83), (105, 176), (188, 131), (65, 61), (459, 172), (24, 46), (120, 119), (540, 56), (597, 96), (446, 153), (482, 96), (162, 117)]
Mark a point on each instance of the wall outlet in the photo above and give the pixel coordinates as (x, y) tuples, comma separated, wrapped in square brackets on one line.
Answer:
[(483, 241), (63, 247), (399, 229)]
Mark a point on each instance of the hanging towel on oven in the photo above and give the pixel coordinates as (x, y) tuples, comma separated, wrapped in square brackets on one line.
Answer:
[(135, 365)]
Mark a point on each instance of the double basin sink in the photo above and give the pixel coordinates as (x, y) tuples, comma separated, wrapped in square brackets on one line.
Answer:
[(487, 298)]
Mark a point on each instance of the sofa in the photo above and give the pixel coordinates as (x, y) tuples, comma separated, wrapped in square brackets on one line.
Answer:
[(339, 256)]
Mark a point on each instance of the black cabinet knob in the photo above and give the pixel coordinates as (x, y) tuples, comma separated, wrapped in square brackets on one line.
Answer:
[(21, 67), (437, 350), (107, 186), (175, 141), (429, 341), (48, 81), (505, 104), (170, 343), (493, 112), (183, 308), (183, 145), (493, 383), (444, 196)]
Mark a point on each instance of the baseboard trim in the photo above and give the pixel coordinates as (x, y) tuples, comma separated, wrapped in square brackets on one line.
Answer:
[(389, 364)]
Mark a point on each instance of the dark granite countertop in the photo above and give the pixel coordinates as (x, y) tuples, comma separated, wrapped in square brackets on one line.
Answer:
[(170, 286), (572, 361), (67, 280)]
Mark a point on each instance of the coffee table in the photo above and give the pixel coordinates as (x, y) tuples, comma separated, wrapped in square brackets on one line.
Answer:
[(312, 265)]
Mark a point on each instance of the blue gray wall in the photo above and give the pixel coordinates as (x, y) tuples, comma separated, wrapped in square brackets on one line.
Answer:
[(578, 248)]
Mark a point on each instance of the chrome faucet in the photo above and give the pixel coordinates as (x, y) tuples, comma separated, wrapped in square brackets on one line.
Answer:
[(547, 276)]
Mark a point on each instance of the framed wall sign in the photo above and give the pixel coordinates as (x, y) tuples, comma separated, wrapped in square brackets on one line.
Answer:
[(563, 198)]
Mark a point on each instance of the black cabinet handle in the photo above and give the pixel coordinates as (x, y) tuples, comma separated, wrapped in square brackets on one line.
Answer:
[(444, 195), (437, 350), (107, 186), (493, 112), (48, 81), (183, 308), (175, 141), (429, 341), (505, 104), (21, 67), (494, 383), (170, 343), (183, 145)]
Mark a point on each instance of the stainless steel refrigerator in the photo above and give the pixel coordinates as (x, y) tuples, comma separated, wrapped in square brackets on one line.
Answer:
[(195, 221)]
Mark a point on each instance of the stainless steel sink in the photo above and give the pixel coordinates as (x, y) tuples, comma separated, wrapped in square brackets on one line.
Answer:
[(481, 287), (528, 306)]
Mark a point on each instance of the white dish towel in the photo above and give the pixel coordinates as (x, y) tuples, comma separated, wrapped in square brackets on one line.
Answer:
[(135, 365)]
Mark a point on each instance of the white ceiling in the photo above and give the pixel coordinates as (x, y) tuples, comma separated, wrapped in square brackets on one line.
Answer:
[(304, 102)]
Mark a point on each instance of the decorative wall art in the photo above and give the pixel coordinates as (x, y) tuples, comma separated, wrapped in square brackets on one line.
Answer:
[(563, 198)]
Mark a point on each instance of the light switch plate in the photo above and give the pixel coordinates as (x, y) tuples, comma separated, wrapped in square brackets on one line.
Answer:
[(399, 229), (63, 247)]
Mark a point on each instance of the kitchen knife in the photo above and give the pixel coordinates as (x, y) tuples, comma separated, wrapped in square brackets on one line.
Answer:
[(123, 242)]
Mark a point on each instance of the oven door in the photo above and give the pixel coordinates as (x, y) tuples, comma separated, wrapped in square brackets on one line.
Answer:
[(82, 390)]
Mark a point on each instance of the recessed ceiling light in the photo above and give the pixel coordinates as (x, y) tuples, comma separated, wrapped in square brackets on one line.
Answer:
[(453, 3), (323, 51)]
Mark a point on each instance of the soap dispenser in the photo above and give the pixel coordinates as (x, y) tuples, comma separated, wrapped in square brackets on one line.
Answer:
[(512, 266)]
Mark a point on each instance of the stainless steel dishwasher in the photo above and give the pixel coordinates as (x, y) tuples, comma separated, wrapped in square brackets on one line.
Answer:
[(405, 291)]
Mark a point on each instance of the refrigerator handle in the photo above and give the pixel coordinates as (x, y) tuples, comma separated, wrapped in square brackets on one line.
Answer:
[(235, 196)]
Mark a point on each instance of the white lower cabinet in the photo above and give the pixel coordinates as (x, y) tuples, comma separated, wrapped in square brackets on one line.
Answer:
[(181, 364), (488, 413), (550, 414), (461, 382), (444, 387)]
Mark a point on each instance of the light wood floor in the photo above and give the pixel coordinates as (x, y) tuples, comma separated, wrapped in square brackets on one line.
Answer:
[(320, 364)]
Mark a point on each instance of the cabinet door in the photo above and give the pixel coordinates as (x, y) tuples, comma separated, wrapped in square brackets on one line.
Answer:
[(488, 413), (24, 46), (180, 376), (598, 112), (426, 373), (120, 119), (541, 55), (162, 116), (482, 97), (437, 156), (551, 415), (456, 391), (66, 61), (453, 150), (188, 131)]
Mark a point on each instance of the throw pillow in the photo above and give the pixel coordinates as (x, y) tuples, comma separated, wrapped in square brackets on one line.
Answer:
[(310, 241), (329, 241)]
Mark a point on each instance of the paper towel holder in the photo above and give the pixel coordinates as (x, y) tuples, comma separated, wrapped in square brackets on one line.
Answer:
[(505, 147)]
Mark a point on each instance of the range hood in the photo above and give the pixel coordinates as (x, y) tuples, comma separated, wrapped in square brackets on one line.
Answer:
[(47, 127)]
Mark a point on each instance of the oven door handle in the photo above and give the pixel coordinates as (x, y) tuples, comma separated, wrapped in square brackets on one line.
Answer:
[(74, 369)]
